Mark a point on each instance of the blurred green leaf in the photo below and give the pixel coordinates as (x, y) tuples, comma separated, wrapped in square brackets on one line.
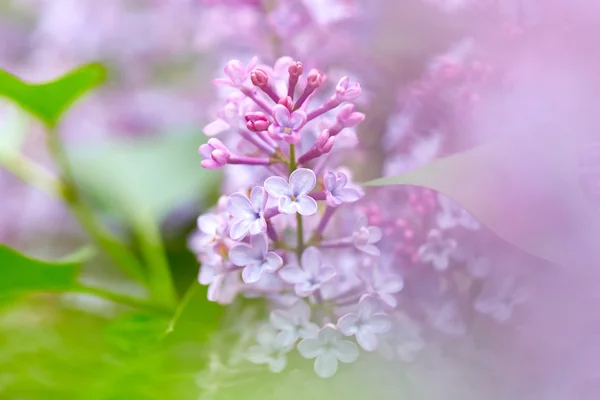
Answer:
[(149, 176), (13, 129), (23, 274), (525, 190), (48, 101)]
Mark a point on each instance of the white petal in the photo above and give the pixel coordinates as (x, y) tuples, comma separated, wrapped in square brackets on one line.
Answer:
[(329, 334), (306, 205), (239, 229), (347, 324), (326, 365), (260, 244), (287, 205), (239, 206), (346, 351), (309, 330), (258, 355), (368, 306), (302, 181), (216, 127), (310, 348), (367, 339), (375, 234), (277, 187), (258, 225), (286, 338), (242, 254), (252, 273), (272, 262), (380, 323), (292, 274), (277, 364), (280, 320), (258, 198), (311, 260)]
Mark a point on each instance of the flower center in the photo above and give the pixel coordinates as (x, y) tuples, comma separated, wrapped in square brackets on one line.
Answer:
[(287, 130), (293, 197)]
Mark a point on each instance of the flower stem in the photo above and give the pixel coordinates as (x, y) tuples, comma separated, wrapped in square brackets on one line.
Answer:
[(123, 299), (299, 221)]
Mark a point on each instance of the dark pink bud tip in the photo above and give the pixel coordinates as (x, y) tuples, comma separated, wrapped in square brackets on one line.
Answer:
[(287, 102), (256, 116), (259, 77), (314, 79), (295, 69)]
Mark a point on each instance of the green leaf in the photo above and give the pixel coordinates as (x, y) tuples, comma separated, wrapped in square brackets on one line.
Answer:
[(23, 274), (13, 129), (525, 189), (150, 176), (48, 101)]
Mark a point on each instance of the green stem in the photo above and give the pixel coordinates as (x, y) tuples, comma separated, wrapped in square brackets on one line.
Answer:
[(123, 299), (299, 221), (32, 173), (116, 250)]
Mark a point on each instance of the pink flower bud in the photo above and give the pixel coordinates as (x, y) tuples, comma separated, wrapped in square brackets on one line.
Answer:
[(314, 79), (257, 121), (325, 142), (346, 90), (348, 118), (287, 102), (259, 77), (215, 154), (296, 69)]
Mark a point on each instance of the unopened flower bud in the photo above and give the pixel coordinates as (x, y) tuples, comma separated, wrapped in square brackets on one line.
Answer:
[(314, 79), (348, 117), (296, 69), (259, 77), (287, 102)]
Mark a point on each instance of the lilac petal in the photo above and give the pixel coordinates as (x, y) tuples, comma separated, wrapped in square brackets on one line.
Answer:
[(207, 274), (346, 351), (214, 289), (206, 150), (243, 254), (326, 365), (258, 198), (361, 222), (309, 330), (302, 181), (287, 205), (306, 205), (311, 260), (332, 201), (252, 273), (278, 364), (325, 275), (380, 323), (370, 249), (260, 244), (239, 229), (388, 299), (297, 120), (279, 319), (368, 306), (239, 206), (391, 284), (375, 234), (330, 181), (281, 115), (329, 334), (367, 339), (275, 131), (266, 336), (306, 288), (209, 224), (286, 337), (301, 311), (216, 127), (272, 262), (342, 180), (347, 324), (222, 82), (277, 187), (258, 226), (310, 348), (348, 195), (257, 355), (292, 274)]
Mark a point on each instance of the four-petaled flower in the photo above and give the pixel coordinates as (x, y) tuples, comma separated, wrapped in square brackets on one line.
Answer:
[(365, 237), (255, 258), (211, 228), (308, 278), (328, 348), (336, 191), (346, 90), (236, 73), (287, 124), (452, 215), (247, 214), (383, 285), (366, 323), (268, 351), (293, 324), (293, 196), (215, 154), (437, 250)]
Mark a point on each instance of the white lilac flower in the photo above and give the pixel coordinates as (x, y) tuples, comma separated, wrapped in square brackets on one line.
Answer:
[(364, 237), (336, 191), (328, 348), (437, 250), (247, 214), (211, 228), (293, 324), (452, 215), (293, 196), (408, 341), (499, 296), (255, 258), (383, 284), (308, 277), (366, 323), (223, 285), (269, 351)]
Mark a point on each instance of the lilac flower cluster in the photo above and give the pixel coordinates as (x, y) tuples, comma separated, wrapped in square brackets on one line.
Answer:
[(292, 236)]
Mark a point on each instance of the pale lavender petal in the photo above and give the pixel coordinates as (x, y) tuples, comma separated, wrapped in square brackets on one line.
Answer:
[(329, 334), (325, 275), (306, 205), (388, 299), (310, 330), (277, 187), (207, 274), (275, 131), (348, 195), (222, 82), (330, 181), (391, 284), (292, 274), (311, 260), (367, 339), (272, 262), (260, 244), (347, 324), (326, 365), (266, 336), (216, 127), (380, 323), (368, 306), (278, 364), (287, 205), (297, 119), (286, 337), (375, 234), (346, 351), (258, 198), (239, 229), (243, 254), (209, 224), (214, 289), (239, 206), (258, 226), (370, 249), (257, 355), (301, 311), (310, 348), (342, 180), (281, 115), (252, 273), (279, 319), (302, 181)]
